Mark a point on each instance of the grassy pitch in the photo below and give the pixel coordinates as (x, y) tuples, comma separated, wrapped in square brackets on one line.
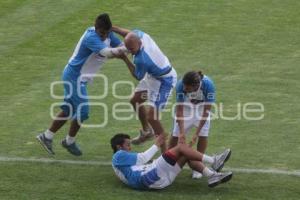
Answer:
[(249, 48)]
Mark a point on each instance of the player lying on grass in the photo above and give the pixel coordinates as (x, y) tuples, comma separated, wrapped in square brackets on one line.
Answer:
[(133, 170)]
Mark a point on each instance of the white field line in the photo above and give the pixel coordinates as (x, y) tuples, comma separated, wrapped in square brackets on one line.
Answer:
[(100, 163)]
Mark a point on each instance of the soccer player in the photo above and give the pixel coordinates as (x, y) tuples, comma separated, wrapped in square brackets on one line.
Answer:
[(157, 78), (94, 47), (132, 169), (194, 95)]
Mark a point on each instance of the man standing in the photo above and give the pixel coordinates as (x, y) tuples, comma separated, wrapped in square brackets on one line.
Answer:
[(195, 94), (157, 78), (94, 47)]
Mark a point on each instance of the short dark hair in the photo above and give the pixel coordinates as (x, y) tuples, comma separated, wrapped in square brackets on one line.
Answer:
[(192, 78), (118, 139), (103, 22)]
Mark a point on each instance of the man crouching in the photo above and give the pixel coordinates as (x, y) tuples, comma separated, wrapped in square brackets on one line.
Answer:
[(133, 170)]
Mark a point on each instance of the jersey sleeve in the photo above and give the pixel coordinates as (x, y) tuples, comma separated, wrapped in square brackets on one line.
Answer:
[(139, 33), (94, 43), (114, 40), (209, 91), (124, 158), (179, 92), (140, 70)]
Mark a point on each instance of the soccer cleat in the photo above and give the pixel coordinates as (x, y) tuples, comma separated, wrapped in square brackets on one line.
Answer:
[(142, 137), (46, 143), (196, 175), (72, 148), (218, 178), (219, 160)]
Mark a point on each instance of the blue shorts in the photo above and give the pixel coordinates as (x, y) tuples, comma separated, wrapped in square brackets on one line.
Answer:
[(158, 89), (76, 97)]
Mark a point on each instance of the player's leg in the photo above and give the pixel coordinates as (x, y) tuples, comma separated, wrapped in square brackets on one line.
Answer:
[(58, 122), (190, 154), (140, 97), (182, 153), (137, 102), (46, 137), (80, 101), (160, 92), (155, 123)]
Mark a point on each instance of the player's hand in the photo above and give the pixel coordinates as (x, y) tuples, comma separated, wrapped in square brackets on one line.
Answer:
[(160, 140), (194, 139), (120, 55), (181, 138)]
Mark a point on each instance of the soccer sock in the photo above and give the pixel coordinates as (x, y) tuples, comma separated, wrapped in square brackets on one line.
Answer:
[(207, 172), (48, 134), (207, 159), (70, 140)]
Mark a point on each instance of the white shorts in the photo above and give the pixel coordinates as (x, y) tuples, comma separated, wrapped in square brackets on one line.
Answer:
[(158, 89), (190, 122), (166, 172)]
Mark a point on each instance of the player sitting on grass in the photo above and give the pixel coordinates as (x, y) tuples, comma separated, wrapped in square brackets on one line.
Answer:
[(133, 170)]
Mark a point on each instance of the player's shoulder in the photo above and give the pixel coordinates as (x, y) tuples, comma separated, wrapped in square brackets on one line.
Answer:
[(91, 34), (179, 86), (207, 80), (139, 32), (208, 84)]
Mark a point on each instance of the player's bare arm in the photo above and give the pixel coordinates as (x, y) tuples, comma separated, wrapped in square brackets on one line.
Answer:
[(206, 110), (121, 31)]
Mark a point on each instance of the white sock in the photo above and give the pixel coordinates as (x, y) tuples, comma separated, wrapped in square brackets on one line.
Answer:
[(48, 134), (207, 159), (70, 140), (207, 172)]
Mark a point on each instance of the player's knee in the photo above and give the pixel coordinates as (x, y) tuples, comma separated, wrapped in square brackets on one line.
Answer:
[(84, 113), (66, 109)]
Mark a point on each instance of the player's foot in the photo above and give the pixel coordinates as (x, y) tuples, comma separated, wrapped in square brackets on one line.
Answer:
[(218, 178), (196, 175), (46, 143), (72, 148), (142, 137), (220, 160)]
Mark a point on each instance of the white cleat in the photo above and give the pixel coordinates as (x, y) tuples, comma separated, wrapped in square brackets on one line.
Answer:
[(220, 160), (218, 178)]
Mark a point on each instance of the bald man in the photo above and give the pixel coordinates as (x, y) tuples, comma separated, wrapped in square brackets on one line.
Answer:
[(157, 79)]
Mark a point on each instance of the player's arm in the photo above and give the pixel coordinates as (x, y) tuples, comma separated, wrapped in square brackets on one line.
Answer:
[(180, 96), (205, 114), (95, 44), (209, 100), (147, 155), (109, 52), (180, 122), (121, 31), (137, 74)]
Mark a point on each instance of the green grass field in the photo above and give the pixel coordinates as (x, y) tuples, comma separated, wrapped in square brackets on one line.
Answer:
[(249, 48)]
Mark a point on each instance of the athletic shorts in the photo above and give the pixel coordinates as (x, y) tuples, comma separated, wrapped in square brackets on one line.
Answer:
[(192, 120), (165, 171), (158, 89), (75, 96)]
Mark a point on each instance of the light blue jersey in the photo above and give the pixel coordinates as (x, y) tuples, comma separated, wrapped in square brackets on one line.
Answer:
[(81, 68), (132, 173), (150, 59), (205, 93), (86, 59)]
